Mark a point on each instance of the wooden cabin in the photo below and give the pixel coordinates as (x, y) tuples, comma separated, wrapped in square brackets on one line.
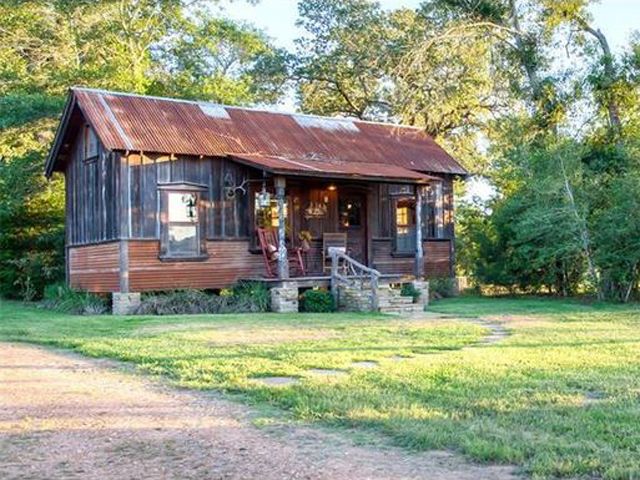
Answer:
[(166, 194)]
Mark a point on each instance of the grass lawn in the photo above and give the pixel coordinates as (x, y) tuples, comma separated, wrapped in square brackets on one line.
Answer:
[(559, 397)]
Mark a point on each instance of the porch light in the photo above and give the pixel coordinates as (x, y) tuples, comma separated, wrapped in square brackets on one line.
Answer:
[(332, 187)]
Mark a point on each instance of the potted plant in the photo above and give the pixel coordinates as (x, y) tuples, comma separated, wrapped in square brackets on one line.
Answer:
[(305, 237)]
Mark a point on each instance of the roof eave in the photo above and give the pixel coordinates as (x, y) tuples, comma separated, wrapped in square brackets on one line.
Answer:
[(332, 175), (52, 157)]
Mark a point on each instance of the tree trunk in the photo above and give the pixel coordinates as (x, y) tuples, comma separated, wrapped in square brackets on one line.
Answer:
[(612, 106), (584, 231)]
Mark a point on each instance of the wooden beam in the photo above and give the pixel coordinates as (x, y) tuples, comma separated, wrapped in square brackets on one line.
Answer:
[(419, 259), (124, 266), (283, 263)]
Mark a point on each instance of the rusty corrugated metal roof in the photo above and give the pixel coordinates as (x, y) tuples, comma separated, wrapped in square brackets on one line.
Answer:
[(151, 124)]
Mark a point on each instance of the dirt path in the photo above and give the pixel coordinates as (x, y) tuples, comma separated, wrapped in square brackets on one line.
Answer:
[(65, 417)]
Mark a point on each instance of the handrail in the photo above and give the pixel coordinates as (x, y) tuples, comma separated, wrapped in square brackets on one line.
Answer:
[(352, 272)]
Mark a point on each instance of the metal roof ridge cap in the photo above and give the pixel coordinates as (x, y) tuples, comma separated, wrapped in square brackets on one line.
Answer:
[(112, 117)]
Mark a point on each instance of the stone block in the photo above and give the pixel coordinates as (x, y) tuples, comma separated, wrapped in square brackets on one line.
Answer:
[(284, 298), (423, 287), (125, 303)]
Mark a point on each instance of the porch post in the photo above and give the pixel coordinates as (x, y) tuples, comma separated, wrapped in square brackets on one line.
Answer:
[(283, 263), (419, 260)]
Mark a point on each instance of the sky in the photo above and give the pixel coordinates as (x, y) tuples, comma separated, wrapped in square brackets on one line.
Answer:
[(616, 18)]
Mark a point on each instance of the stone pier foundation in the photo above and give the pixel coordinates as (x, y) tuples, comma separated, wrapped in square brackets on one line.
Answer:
[(284, 298), (125, 303)]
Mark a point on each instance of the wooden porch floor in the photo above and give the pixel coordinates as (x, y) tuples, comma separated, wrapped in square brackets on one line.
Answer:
[(323, 280)]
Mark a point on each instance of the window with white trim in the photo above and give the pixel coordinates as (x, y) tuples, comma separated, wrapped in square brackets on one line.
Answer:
[(182, 224)]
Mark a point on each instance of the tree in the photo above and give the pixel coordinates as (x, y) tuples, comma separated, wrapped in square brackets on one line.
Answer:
[(143, 46), (343, 62), (222, 61)]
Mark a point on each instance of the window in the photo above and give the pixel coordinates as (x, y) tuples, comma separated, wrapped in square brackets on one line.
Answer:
[(90, 143), (182, 224), (405, 225), (350, 212), (435, 211), (265, 210)]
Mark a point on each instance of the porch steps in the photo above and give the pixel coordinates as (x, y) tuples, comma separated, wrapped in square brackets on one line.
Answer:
[(355, 299)]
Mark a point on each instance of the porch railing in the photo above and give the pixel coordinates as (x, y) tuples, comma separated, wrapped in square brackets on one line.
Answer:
[(345, 271)]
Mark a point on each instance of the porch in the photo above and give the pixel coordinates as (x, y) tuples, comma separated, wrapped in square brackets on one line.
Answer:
[(381, 225), (322, 233)]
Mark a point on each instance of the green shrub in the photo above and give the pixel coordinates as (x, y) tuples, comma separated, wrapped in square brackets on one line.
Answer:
[(62, 298), (442, 287), (243, 298), (255, 293), (25, 278), (408, 290), (317, 301)]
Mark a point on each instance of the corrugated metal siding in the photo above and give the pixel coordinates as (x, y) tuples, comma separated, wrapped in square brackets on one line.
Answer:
[(150, 124), (95, 268)]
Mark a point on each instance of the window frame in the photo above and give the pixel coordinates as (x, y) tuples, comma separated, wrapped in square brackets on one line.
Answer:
[(165, 191), (87, 134), (395, 200), (435, 211)]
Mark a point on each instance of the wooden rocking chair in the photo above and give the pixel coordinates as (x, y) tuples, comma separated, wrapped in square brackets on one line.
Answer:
[(268, 239)]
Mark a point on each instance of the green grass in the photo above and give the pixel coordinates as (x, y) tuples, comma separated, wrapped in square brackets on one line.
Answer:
[(559, 397)]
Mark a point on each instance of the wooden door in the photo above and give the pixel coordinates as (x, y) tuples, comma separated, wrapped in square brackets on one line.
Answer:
[(352, 220)]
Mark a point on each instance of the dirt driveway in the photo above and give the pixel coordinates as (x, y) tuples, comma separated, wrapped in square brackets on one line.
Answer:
[(63, 417)]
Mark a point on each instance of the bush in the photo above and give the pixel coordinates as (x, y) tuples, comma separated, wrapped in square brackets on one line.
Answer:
[(442, 287), (255, 293), (243, 298), (64, 299), (25, 278), (408, 290), (317, 301)]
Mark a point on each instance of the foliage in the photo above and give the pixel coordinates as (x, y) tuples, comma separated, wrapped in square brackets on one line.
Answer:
[(32, 213), (144, 46), (409, 290), (442, 287), (249, 297), (551, 398), (30, 274), (61, 298), (317, 301), (225, 62), (254, 293)]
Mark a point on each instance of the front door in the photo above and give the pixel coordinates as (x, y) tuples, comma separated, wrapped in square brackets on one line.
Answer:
[(352, 220)]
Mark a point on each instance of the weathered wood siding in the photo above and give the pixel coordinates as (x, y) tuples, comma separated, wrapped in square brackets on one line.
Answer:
[(91, 189), (228, 262), (95, 268), (114, 198), (437, 258), (438, 252), (225, 218)]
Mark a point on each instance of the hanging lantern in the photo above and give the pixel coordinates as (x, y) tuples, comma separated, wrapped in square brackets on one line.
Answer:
[(264, 197)]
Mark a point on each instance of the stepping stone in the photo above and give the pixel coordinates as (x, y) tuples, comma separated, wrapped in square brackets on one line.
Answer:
[(591, 398), (328, 372), (365, 364), (400, 358), (277, 381)]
